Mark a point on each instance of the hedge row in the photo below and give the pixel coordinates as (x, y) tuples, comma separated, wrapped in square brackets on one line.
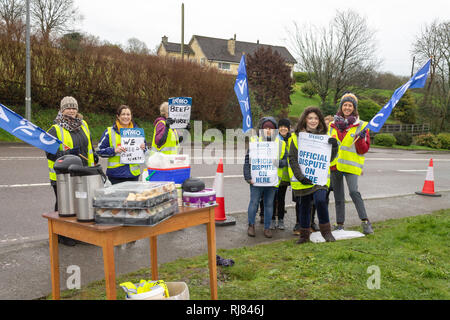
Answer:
[(102, 78), (440, 141)]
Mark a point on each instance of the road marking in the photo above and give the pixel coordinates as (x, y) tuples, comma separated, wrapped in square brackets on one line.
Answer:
[(412, 159), (412, 170), (21, 158), (24, 185), (231, 176)]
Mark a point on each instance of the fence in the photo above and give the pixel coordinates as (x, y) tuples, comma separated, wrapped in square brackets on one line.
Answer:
[(414, 129)]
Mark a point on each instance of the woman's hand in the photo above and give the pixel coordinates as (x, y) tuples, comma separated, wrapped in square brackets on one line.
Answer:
[(143, 146), (120, 149)]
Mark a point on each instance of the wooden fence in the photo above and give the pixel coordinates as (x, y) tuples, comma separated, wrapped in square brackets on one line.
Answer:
[(414, 129)]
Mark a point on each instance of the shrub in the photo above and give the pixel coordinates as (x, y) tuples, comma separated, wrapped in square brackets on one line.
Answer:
[(428, 140), (301, 77), (403, 138), (367, 109), (384, 139), (444, 139), (308, 89)]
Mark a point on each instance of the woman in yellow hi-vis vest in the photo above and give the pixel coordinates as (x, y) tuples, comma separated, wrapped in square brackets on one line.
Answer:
[(348, 128), (165, 139), (73, 131), (310, 121), (111, 148)]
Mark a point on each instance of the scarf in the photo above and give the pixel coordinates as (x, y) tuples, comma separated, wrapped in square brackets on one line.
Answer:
[(343, 123), (67, 122), (119, 126)]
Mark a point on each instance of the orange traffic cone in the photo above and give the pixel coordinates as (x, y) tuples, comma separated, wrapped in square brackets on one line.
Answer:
[(219, 211), (428, 186)]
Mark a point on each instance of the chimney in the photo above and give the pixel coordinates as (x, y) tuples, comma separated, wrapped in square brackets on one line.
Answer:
[(165, 39), (232, 45), (257, 41)]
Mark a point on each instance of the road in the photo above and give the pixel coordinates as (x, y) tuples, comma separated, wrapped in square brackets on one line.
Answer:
[(390, 179)]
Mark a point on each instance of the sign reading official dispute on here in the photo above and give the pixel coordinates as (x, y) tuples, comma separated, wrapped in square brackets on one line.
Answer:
[(314, 154), (262, 156), (180, 112)]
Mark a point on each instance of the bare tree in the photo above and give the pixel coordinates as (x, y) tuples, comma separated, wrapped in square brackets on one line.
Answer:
[(54, 16), (12, 13), (356, 48), (137, 46), (315, 50), (434, 42)]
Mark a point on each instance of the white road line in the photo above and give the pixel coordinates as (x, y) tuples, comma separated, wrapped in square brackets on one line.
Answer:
[(24, 185), (412, 170), (21, 158), (231, 176)]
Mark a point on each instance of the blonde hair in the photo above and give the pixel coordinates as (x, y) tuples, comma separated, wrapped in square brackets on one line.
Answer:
[(164, 108)]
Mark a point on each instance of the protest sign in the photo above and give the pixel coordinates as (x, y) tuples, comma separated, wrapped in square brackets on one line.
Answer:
[(262, 155), (180, 112), (131, 139), (314, 154)]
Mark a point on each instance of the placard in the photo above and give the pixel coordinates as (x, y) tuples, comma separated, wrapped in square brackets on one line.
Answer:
[(180, 112), (131, 139), (314, 154), (262, 156)]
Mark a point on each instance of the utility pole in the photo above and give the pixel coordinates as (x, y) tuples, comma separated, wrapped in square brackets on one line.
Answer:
[(182, 32), (28, 67)]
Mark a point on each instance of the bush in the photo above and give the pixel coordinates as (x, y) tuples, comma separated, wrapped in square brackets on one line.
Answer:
[(444, 139), (367, 109), (403, 138), (384, 139), (309, 89), (301, 77), (428, 140)]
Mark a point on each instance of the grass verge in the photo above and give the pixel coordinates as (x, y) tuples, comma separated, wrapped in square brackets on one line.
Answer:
[(411, 253)]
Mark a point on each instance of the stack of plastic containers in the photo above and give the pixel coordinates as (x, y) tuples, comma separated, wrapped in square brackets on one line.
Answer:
[(135, 203)]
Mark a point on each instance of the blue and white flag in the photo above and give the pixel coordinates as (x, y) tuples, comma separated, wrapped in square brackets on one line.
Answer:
[(241, 90), (417, 81), (26, 131)]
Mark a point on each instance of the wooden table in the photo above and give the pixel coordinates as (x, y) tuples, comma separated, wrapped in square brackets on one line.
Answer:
[(107, 236)]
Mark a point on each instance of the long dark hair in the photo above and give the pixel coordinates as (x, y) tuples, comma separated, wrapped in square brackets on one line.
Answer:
[(301, 125)]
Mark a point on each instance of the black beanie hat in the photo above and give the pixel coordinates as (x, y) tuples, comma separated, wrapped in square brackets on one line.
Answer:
[(284, 123)]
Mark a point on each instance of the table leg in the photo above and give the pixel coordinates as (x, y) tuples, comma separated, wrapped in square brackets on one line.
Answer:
[(110, 269), (154, 257), (54, 261), (211, 235)]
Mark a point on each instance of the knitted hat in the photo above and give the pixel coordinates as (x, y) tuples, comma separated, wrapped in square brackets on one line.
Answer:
[(349, 97), (284, 123), (68, 102), (268, 125)]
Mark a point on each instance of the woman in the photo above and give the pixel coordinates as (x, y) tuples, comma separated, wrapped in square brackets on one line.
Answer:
[(110, 147), (354, 141), (310, 121), (284, 133), (73, 131), (165, 139)]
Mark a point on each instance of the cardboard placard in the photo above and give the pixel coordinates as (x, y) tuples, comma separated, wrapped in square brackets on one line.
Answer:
[(131, 139)]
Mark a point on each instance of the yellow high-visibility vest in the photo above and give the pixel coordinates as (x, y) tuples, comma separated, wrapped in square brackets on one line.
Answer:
[(171, 145), (114, 162), (295, 184), (64, 135), (281, 151), (347, 159)]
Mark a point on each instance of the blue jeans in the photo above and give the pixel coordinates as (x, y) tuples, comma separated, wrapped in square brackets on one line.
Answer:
[(320, 201), (255, 196)]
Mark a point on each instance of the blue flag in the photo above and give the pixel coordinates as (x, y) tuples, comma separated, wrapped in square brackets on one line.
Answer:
[(417, 81), (26, 131), (241, 90)]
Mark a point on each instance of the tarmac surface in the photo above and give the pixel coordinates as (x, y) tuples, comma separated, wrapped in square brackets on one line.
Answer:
[(25, 267)]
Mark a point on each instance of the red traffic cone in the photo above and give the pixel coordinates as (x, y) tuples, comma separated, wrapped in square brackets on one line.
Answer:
[(428, 186), (219, 211)]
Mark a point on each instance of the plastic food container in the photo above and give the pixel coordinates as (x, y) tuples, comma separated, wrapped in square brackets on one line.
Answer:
[(201, 199)]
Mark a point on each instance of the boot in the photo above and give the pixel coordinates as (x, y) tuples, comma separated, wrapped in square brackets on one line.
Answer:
[(304, 235), (325, 231), (251, 230)]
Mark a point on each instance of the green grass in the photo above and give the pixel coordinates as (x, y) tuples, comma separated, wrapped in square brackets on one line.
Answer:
[(411, 147), (299, 101), (412, 255)]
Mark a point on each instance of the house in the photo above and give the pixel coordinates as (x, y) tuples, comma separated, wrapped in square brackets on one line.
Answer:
[(220, 53)]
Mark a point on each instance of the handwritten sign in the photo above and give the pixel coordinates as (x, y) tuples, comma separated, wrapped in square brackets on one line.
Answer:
[(262, 156), (180, 112), (314, 154), (131, 139)]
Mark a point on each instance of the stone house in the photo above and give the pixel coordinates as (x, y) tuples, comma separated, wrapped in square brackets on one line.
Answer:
[(219, 53)]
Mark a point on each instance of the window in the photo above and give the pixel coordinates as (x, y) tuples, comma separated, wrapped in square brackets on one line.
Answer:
[(224, 66)]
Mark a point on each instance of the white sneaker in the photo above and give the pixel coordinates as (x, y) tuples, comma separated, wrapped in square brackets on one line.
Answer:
[(273, 225), (280, 224)]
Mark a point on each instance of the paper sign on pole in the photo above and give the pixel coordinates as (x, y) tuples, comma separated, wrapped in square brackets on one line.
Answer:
[(262, 156), (131, 139), (180, 112), (314, 154)]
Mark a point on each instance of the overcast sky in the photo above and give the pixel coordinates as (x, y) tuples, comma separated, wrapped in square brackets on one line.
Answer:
[(396, 22)]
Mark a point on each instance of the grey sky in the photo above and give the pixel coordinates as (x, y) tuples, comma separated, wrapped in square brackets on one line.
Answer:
[(397, 22)]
